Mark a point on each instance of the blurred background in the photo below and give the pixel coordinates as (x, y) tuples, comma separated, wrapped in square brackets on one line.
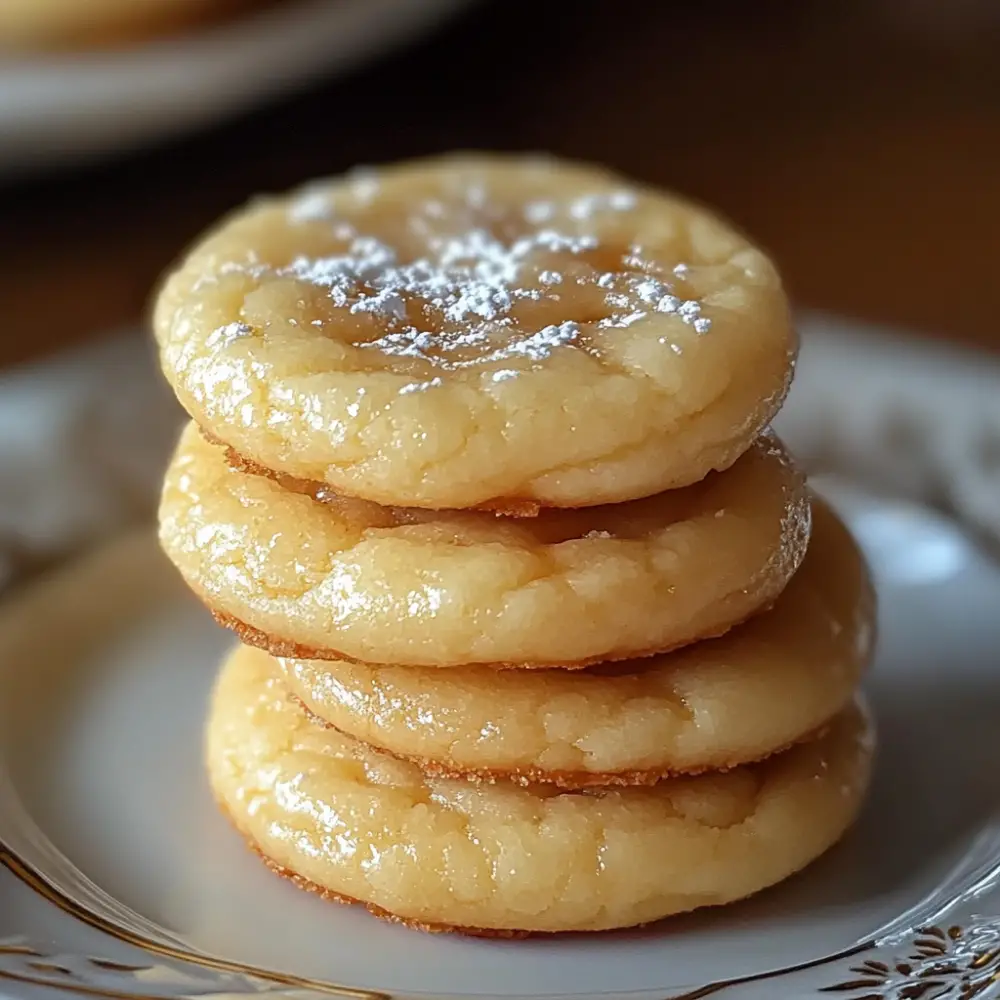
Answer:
[(859, 141)]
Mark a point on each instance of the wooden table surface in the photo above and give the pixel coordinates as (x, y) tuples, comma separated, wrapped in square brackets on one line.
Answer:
[(857, 142)]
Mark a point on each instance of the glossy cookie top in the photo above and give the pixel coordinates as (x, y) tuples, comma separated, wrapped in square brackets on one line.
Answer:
[(713, 705), (477, 330), (349, 579), (448, 852)]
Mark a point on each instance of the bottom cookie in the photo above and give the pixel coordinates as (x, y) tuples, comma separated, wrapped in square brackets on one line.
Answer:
[(443, 853)]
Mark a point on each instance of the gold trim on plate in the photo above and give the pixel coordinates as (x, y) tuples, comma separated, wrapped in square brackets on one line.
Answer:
[(957, 963), (34, 880)]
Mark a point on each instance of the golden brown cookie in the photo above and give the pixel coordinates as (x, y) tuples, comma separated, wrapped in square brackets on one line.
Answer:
[(479, 330), (758, 689), (359, 824), (348, 579)]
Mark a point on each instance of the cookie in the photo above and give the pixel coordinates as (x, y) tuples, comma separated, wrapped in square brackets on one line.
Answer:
[(477, 330), (713, 705), (348, 579), (359, 824), (44, 24)]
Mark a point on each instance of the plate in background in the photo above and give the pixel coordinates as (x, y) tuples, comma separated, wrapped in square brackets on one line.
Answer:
[(61, 109)]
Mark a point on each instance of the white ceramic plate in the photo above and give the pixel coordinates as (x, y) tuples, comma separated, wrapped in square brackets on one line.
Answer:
[(61, 109), (116, 854), (118, 878)]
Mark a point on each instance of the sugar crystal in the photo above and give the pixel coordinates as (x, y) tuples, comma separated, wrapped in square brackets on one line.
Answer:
[(454, 302)]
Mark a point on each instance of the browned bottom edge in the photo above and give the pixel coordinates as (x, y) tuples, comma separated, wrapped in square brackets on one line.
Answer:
[(277, 646), (501, 506), (300, 882), (495, 933), (434, 927), (570, 781), (377, 911)]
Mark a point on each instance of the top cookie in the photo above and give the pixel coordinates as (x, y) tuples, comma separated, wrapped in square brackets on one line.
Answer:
[(479, 331)]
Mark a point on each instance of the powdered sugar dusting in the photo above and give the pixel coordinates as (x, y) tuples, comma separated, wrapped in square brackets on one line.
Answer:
[(354, 408), (456, 302), (227, 335), (633, 296), (541, 344), (364, 183), (310, 206), (420, 386), (587, 206), (537, 212)]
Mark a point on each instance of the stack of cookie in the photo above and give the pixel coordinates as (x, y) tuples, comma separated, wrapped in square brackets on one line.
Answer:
[(543, 628)]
